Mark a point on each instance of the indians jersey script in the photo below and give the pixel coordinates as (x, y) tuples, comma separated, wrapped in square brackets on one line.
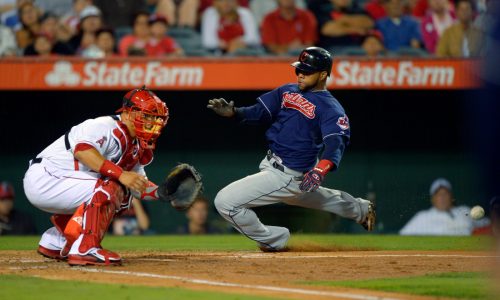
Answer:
[(106, 134), (301, 124)]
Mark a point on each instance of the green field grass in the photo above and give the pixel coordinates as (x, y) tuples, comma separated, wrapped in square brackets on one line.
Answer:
[(452, 285), (236, 242), (37, 288)]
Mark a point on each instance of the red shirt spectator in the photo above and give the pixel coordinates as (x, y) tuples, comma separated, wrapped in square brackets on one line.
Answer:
[(162, 47), (230, 28), (204, 4), (159, 44), (135, 44), (376, 9), (278, 30), (438, 19)]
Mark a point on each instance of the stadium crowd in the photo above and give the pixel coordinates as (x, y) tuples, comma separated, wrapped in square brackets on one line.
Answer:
[(99, 28)]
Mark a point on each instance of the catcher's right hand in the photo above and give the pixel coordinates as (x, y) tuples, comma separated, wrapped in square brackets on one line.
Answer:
[(221, 107)]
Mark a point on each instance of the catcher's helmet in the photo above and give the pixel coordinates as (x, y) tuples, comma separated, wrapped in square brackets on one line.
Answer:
[(314, 59), (6, 190), (151, 115)]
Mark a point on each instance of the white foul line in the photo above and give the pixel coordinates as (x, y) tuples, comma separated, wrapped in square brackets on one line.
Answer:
[(264, 255), (238, 285)]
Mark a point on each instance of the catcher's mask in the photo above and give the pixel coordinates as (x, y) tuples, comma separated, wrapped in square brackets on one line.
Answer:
[(148, 113)]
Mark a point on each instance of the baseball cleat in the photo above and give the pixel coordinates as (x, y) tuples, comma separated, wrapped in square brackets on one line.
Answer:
[(270, 250), (371, 216), (96, 256), (49, 253)]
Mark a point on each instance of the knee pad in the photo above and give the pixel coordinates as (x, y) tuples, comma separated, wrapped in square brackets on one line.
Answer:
[(99, 213)]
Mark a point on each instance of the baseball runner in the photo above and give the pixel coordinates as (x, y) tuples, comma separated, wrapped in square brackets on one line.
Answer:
[(305, 119), (86, 176)]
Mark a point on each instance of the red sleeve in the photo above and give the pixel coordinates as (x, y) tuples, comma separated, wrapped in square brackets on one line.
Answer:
[(311, 28), (420, 8), (375, 10), (83, 147), (125, 43), (267, 31)]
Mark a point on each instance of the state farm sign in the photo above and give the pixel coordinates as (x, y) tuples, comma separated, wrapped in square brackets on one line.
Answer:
[(401, 74), (262, 74), (101, 74)]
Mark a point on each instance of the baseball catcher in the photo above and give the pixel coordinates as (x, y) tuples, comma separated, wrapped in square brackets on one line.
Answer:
[(90, 174)]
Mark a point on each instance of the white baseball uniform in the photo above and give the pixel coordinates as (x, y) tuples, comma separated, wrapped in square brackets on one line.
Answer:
[(57, 183)]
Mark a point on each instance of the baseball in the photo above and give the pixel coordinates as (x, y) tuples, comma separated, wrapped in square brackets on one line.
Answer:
[(477, 212)]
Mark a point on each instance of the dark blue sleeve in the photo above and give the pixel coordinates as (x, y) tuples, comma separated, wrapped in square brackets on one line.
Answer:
[(334, 149), (416, 34), (267, 107), (336, 133)]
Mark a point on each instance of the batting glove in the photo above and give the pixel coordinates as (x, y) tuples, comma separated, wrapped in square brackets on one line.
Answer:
[(313, 179)]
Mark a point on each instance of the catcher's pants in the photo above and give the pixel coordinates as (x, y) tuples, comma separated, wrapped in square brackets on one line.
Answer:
[(272, 185), (57, 191)]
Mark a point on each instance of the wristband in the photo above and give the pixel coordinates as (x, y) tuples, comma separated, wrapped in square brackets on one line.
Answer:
[(111, 170), (324, 166)]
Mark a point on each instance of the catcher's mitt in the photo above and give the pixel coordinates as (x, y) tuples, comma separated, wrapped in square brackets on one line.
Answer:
[(181, 186)]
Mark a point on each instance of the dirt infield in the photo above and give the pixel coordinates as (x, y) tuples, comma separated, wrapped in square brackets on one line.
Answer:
[(256, 273)]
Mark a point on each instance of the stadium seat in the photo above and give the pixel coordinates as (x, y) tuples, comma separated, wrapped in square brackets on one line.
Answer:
[(253, 51), (409, 51), (352, 51), (182, 32), (120, 32), (193, 52)]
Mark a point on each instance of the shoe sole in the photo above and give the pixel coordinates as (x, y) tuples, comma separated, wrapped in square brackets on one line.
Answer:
[(88, 263), (268, 250), (80, 261), (58, 258)]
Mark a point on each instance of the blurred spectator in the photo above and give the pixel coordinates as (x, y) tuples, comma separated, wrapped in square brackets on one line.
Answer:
[(8, 46), (12, 222), (72, 18), (159, 43), (10, 17), (376, 9), (90, 22), (419, 8), (288, 28), (462, 39), (197, 216), (179, 13), (342, 23), (29, 17), (204, 4), (443, 218), (484, 20), (57, 7), (135, 43), (435, 23), (119, 13), (49, 33), (373, 45), (42, 46), (104, 46), (7, 5), (133, 221), (398, 30), (105, 41), (260, 8), (227, 27)]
